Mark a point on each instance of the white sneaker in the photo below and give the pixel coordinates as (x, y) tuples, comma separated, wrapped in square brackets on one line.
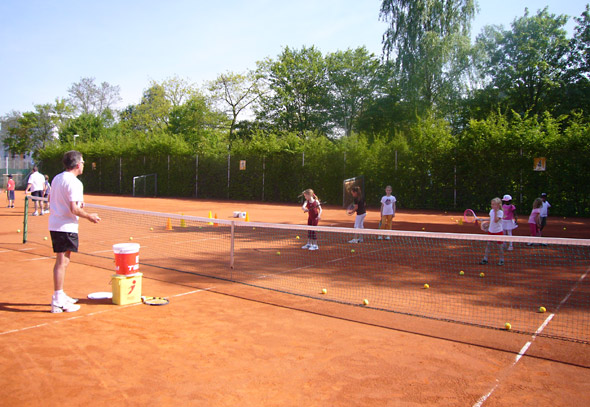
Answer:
[(306, 246), (353, 241), (71, 300), (387, 237), (510, 248), (35, 213), (66, 306), (314, 247), (379, 237)]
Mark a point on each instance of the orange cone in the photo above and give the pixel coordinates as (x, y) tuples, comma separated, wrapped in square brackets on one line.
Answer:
[(216, 224), (169, 224), (247, 217)]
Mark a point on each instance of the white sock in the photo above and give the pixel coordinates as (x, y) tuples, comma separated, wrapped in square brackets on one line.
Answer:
[(59, 295)]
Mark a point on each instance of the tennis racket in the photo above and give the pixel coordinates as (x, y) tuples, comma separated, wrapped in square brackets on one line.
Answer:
[(469, 216), (350, 209), (155, 300)]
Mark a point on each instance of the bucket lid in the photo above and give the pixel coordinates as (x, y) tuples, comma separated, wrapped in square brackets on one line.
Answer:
[(123, 248)]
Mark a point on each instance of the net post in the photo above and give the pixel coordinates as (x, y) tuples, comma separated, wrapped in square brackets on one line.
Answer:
[(26, 219), (231, 247)]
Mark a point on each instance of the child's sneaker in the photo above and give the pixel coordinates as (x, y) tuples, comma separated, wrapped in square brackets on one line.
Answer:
[(35, 213), (314, 247), (387, 237), (306, 246), (501, 263), (484, 261), (66, 306), (380, 237), (510, 248), (353, 241)]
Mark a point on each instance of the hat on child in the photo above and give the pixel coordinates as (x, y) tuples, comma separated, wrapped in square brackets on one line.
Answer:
[(544, 194), (507, 198)]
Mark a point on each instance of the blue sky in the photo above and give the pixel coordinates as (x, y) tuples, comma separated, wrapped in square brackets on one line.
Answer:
[(49, 45)]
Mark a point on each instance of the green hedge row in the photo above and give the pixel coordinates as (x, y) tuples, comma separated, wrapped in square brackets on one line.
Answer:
[(428, 168)]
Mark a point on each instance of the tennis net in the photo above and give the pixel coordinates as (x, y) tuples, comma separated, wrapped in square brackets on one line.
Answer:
[(431, 275)]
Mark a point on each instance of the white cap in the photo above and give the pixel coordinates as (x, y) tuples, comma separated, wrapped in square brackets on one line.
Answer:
[(507, 198)]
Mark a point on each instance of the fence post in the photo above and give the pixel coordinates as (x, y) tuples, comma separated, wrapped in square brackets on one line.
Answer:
[(196, 176), (263, 171), (228, 163)]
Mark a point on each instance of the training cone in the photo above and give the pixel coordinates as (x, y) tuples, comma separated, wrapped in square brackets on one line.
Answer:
[(247, 217), (216, 224), (182, 223), (169, 224), (210, 217)]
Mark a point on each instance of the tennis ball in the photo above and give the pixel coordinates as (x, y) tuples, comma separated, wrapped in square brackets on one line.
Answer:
[(542, 309), (18, 231), (508, 326), (130, 237), (423, 228), (45, 238), (324, 291), (151, 228), (564, 228), (278, 253), (351, 250), (461, 272), (426, 286), (482, 274), (297, 237), (366, 302)]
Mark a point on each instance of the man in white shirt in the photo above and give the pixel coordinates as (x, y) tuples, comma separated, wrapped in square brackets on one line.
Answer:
[(544, 211), (67, 204), (35, 186)]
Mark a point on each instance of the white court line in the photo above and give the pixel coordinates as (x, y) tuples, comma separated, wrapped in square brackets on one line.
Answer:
[(526, 346), (97, 312), (39, 258)]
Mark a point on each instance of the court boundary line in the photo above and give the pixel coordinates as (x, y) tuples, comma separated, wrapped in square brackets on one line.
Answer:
[(527, 345)]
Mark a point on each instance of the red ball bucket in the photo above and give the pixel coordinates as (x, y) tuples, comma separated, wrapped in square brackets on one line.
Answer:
[(126, 258)]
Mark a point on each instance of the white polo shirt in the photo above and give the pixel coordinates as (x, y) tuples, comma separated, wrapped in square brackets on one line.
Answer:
[(65, 188), (37, 180)]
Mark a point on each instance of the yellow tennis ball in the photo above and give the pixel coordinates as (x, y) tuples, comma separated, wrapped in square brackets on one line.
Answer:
[(296, 237), (278, 253), (324, 291), (482, 274), (461, 272), (423, 228), (18, 231), (130, 237), (151, 228), (508, 326), (542, 309), (366, 302), (352, 250), (564, 228), (426, 286), (45, 238)]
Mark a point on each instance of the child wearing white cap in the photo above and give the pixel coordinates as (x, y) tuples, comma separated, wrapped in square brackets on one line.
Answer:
[(509, 220)]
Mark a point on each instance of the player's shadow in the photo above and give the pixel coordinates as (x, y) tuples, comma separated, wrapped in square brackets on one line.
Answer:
[(23, 307)]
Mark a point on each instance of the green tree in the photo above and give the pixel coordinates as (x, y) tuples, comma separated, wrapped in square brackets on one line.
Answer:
[(151, 114), (428, 41), (353, 78), (236, 92), (297, 98), (525, 66)]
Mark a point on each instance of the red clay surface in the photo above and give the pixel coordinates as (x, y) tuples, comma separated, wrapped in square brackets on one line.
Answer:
[(225, 344)]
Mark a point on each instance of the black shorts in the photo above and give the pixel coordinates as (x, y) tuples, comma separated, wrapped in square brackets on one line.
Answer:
[(64, 242), (37, 193)]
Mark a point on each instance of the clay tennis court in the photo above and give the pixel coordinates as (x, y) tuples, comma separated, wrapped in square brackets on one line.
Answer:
[(222, 343)]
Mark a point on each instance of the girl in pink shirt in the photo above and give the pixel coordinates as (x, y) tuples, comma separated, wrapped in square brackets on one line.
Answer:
[(535, 218)]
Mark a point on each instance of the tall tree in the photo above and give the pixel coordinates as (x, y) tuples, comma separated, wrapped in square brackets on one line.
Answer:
[(88, 97), (426, 39), (297, 98), (527, 63), (353, 78), (237, 92)]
